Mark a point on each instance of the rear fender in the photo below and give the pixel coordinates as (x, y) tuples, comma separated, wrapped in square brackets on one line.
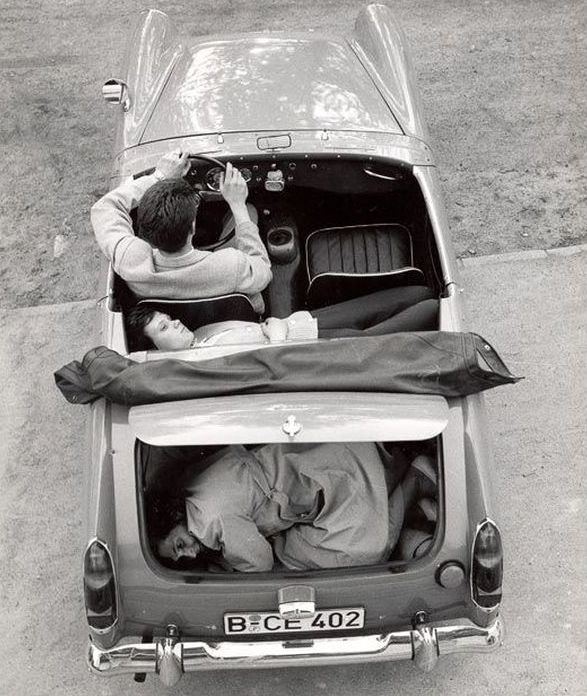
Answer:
[(381, 46), (98, 477), (479, 462), (152, 54), (479, 475), (100, 512)]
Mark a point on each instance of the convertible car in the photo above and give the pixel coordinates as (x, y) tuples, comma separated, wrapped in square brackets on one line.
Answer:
[(329, 135)]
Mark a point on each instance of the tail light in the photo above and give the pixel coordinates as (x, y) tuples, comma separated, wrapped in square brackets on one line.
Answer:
[(99, 587), (487, 566)]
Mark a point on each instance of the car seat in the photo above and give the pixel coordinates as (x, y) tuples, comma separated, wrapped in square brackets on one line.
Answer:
[(347, 262)]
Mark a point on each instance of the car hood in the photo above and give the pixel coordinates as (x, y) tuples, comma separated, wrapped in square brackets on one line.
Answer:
[(260, 83)]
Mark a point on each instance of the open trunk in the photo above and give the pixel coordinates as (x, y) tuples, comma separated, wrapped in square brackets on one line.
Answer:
[(404, 516), (200, 597)]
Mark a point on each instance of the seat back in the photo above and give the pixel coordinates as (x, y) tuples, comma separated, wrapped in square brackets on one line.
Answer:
[(197, 312), (347, 262)]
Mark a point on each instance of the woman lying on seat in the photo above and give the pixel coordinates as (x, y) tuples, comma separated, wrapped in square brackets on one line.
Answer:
[(411, 308)]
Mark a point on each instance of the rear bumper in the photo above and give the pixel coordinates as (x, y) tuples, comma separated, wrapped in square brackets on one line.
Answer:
[(170, 657)]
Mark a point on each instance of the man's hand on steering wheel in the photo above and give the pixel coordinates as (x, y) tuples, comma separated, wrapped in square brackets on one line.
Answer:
[(233, 188), (173, 165)]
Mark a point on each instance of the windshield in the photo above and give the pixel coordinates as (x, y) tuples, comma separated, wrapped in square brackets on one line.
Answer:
[(263, 83)]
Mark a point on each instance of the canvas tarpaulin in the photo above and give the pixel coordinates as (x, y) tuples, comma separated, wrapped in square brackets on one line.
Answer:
[(433, 362)]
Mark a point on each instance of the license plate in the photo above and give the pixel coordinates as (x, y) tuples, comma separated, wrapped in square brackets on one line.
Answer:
[(267, 622)]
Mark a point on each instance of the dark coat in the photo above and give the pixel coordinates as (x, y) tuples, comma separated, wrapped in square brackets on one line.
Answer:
[(322, 505)]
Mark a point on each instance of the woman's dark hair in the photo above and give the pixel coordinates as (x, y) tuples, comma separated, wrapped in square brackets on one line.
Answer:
[(166, 214), (136, 320)]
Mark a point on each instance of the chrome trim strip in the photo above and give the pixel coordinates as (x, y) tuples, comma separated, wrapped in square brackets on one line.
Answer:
[(433, 639), (195, 300), (383, 274), (376, 175)]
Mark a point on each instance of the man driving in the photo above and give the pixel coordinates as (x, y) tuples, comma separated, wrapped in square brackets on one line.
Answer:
[(162, 261)]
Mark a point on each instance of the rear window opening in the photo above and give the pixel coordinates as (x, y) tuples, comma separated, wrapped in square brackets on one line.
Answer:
[(290, 507)]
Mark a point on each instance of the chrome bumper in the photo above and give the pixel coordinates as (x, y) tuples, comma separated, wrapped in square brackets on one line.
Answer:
[(170, 657)]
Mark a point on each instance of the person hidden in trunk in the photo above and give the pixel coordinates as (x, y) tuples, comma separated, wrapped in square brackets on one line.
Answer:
[(305, 506)]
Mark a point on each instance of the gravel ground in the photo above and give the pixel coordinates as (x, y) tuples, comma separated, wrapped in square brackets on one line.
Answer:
[(500, 83)]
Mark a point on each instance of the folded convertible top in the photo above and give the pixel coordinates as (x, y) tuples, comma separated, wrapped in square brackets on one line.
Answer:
[(433, 362)]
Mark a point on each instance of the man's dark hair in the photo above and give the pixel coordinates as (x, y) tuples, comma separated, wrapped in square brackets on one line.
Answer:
[(136, 320), (166, 214), (164, 512)]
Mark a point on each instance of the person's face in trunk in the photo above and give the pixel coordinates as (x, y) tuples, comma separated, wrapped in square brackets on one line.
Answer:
[(179, 543)]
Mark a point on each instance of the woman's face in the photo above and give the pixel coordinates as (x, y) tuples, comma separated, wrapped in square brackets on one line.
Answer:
[(167, 333), (179, 543)]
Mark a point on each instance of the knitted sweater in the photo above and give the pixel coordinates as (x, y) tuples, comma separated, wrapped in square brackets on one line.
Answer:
[(149, 273), (299, 326)]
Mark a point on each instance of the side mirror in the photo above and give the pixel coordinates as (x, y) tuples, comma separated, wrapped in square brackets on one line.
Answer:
[(115, 91)]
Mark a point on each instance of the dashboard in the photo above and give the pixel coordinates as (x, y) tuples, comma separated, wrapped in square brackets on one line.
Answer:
[(276, 174)]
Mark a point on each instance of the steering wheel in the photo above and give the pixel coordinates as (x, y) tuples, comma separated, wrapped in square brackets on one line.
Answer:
[(208, 158), (211, 177), (204, 195), (211, 195)]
